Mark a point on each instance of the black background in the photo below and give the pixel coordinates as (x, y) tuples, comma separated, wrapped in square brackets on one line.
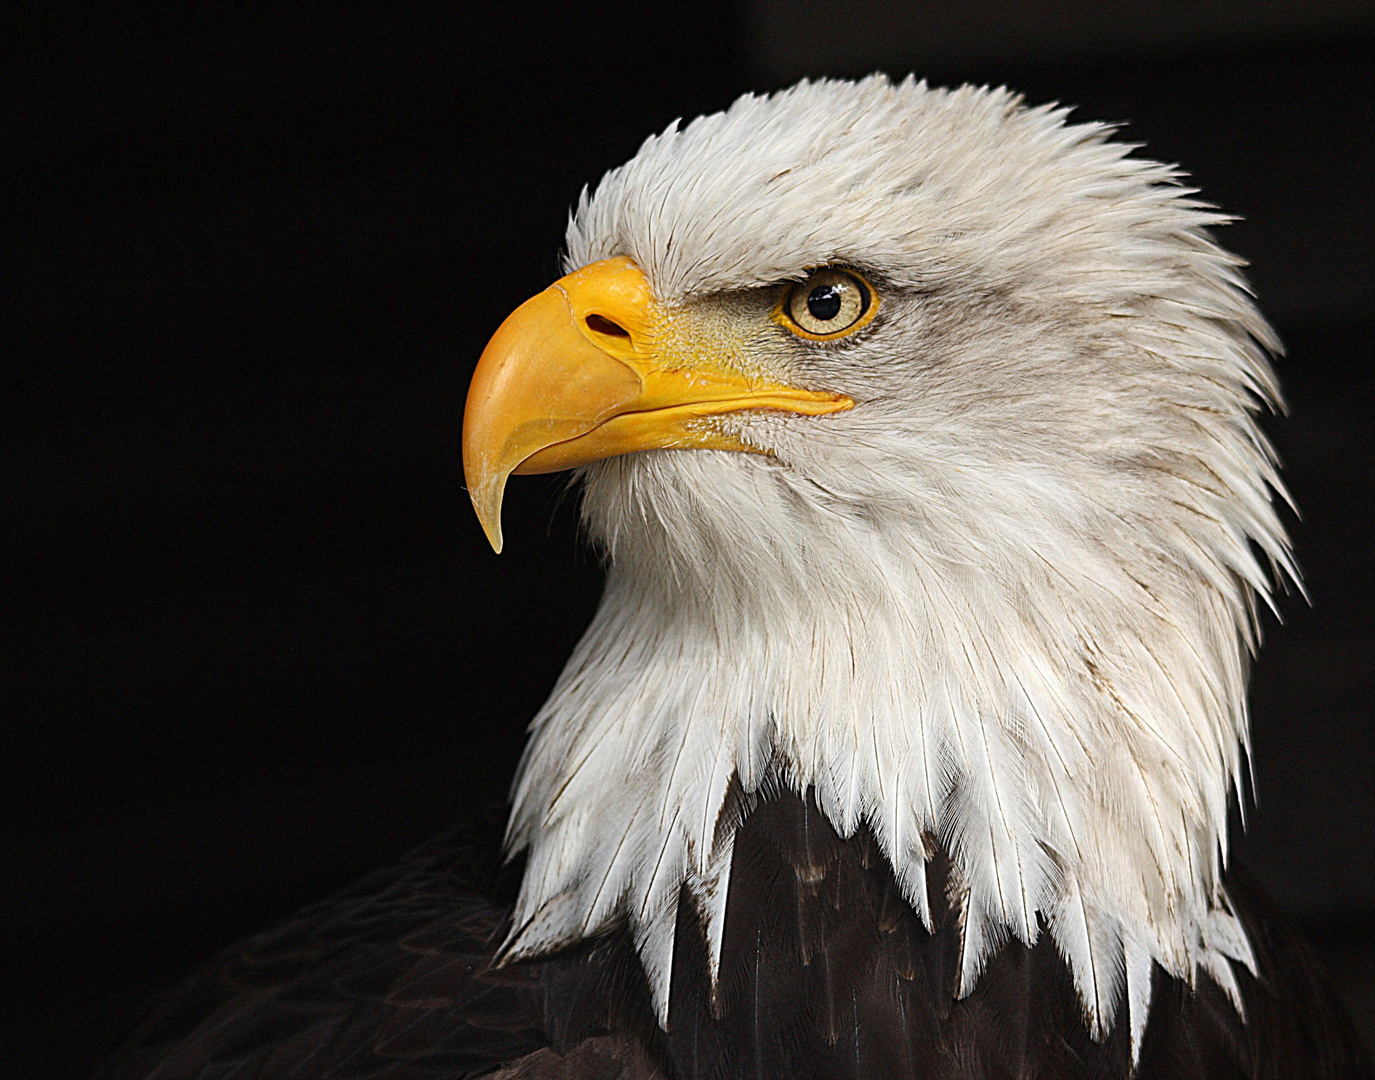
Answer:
[(254, 642)]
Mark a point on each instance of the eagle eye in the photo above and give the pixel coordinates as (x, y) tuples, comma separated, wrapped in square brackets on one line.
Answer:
[(827, 304)]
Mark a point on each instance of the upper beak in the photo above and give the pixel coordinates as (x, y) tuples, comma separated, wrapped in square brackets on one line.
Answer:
[(586, 370)]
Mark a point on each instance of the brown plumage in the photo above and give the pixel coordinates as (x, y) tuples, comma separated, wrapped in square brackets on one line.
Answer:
[(826, 972)]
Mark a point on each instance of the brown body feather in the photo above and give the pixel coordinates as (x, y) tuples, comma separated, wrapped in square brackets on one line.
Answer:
[(826, 972)]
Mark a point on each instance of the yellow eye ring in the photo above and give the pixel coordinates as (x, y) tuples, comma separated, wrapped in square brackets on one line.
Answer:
[(827, 304)]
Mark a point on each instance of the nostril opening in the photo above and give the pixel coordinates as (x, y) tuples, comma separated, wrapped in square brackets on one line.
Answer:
[(599, 325)]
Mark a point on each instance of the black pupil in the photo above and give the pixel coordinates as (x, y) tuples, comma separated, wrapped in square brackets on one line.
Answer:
[(824, 302)]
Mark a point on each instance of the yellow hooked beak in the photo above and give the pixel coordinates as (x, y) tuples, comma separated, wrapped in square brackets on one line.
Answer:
[(591, 368)]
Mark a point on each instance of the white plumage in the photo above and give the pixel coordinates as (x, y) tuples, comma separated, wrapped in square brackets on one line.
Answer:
[(1004, 604)]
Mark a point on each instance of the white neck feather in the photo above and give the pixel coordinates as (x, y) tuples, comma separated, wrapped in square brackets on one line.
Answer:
[(1063, 713)]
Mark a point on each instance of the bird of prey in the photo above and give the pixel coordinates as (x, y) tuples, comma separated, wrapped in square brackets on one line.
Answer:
[(917, 428)]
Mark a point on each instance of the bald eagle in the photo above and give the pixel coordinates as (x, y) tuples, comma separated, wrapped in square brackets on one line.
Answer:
[(917, 427)]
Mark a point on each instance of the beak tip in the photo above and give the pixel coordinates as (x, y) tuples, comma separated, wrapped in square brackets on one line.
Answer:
[(487, 503)]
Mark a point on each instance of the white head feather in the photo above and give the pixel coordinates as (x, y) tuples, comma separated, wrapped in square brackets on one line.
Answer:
[(1005, 603)]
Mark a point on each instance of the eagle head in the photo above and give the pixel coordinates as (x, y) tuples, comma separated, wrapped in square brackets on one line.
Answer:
[(918, 429)]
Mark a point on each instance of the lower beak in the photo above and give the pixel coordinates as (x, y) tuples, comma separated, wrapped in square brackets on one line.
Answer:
[(579, 372)]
